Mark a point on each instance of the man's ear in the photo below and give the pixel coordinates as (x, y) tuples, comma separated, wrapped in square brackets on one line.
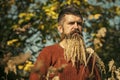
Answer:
[(60, 28)]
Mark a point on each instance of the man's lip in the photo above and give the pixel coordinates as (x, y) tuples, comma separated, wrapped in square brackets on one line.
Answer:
[(76, 33)]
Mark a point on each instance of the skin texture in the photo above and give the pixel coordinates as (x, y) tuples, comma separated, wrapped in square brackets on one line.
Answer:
[(70, 23)]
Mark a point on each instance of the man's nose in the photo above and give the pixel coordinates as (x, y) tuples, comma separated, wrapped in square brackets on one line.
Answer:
[(76, 25)]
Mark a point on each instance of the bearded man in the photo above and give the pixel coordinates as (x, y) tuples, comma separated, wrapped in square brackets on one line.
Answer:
[(69, 59)]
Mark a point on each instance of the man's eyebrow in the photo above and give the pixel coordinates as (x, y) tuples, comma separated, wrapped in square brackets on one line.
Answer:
[(80, 22)]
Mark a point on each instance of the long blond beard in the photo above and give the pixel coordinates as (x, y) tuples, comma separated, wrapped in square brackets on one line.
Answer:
[(74, 50)]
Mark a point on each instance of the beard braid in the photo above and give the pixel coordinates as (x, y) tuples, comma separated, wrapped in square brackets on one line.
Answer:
[(74, 50)]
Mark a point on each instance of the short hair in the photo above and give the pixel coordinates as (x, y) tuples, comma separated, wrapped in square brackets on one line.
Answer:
[(69, 9)]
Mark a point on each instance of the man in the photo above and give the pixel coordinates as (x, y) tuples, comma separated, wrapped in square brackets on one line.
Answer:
[(68, 60)]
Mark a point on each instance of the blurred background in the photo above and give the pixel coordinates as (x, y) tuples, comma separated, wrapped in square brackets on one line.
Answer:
[(26, 26)]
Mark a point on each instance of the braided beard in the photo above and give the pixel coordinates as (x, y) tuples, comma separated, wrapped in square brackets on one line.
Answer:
[(74, 49)]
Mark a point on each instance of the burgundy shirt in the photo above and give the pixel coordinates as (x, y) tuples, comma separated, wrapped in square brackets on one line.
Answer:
[(54, 56)]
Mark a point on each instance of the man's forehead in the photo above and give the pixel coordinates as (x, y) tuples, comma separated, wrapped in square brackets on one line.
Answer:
[(71, 17)]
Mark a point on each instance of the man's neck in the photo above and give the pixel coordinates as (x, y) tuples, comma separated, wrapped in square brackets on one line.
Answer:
[(62, 43)]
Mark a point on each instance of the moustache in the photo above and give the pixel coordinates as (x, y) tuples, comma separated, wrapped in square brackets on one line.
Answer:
[(76, 31)]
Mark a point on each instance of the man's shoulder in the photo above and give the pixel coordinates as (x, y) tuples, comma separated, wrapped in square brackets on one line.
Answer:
[(52, 47)]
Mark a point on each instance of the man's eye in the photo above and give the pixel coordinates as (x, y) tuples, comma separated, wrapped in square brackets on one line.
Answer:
[(79, 23), (72, 23)]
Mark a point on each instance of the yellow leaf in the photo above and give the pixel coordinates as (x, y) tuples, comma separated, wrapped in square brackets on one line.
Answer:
[(15, 27), (90, 17), (20, 21), (47, 10), (86, 0), (54, 16), (28, 62), (27, 18), (53, 8), (68, 1), (31, 14), (93, 34), (118, 10), (10, 42), (20, 67), (21, 15), (15, 40), (96, 16), (41, 27), (77, 2), (28, 67), (54, 26), (48, 14)]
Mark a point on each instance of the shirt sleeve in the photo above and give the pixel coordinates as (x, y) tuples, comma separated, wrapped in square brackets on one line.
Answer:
[(41, 65)]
